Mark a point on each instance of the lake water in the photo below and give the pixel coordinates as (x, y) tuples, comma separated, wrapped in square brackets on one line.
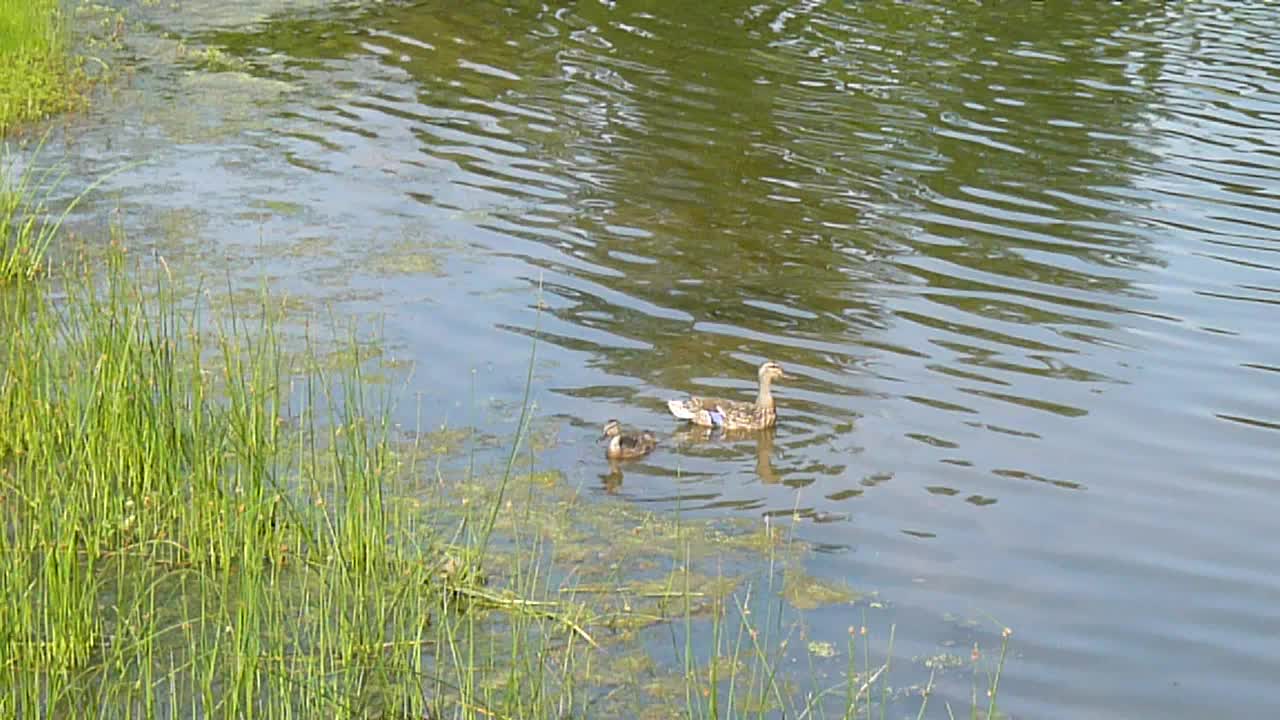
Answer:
[(1019, 259)]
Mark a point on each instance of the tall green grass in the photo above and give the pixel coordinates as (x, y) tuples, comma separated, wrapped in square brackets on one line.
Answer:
[(38, 76), (176, 533)]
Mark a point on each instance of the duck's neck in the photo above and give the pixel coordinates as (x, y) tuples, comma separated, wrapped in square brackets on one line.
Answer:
[(764, 398)]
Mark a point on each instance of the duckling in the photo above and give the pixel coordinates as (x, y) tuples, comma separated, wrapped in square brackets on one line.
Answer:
[(733, 414), (625, 446)]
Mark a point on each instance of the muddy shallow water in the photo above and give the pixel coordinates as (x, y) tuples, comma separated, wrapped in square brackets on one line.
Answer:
[(1020, 262)]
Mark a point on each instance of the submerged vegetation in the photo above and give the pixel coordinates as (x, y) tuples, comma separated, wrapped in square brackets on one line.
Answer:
[(38, 75), (202, 523)]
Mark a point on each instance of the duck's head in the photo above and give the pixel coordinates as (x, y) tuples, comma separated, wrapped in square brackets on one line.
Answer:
[(770, 371), (611, 429)]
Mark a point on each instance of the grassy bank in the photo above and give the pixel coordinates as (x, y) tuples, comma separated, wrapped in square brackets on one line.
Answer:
[(38, 76), (204, 520)]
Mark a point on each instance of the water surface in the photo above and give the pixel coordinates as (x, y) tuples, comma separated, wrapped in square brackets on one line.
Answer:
[(1020, 261)]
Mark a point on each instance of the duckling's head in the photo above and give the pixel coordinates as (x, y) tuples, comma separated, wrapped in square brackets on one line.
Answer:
[(611, 429), (770, 371)]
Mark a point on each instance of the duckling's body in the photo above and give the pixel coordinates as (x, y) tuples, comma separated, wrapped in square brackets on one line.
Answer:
[(627, 445), (733, 414)]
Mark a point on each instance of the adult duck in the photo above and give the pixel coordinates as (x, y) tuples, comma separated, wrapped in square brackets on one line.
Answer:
[(733, 414)]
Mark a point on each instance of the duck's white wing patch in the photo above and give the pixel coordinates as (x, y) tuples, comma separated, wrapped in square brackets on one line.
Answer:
[(681, 409)]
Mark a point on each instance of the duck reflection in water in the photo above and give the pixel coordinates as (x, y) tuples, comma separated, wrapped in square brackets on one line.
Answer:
[(698, 435)]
